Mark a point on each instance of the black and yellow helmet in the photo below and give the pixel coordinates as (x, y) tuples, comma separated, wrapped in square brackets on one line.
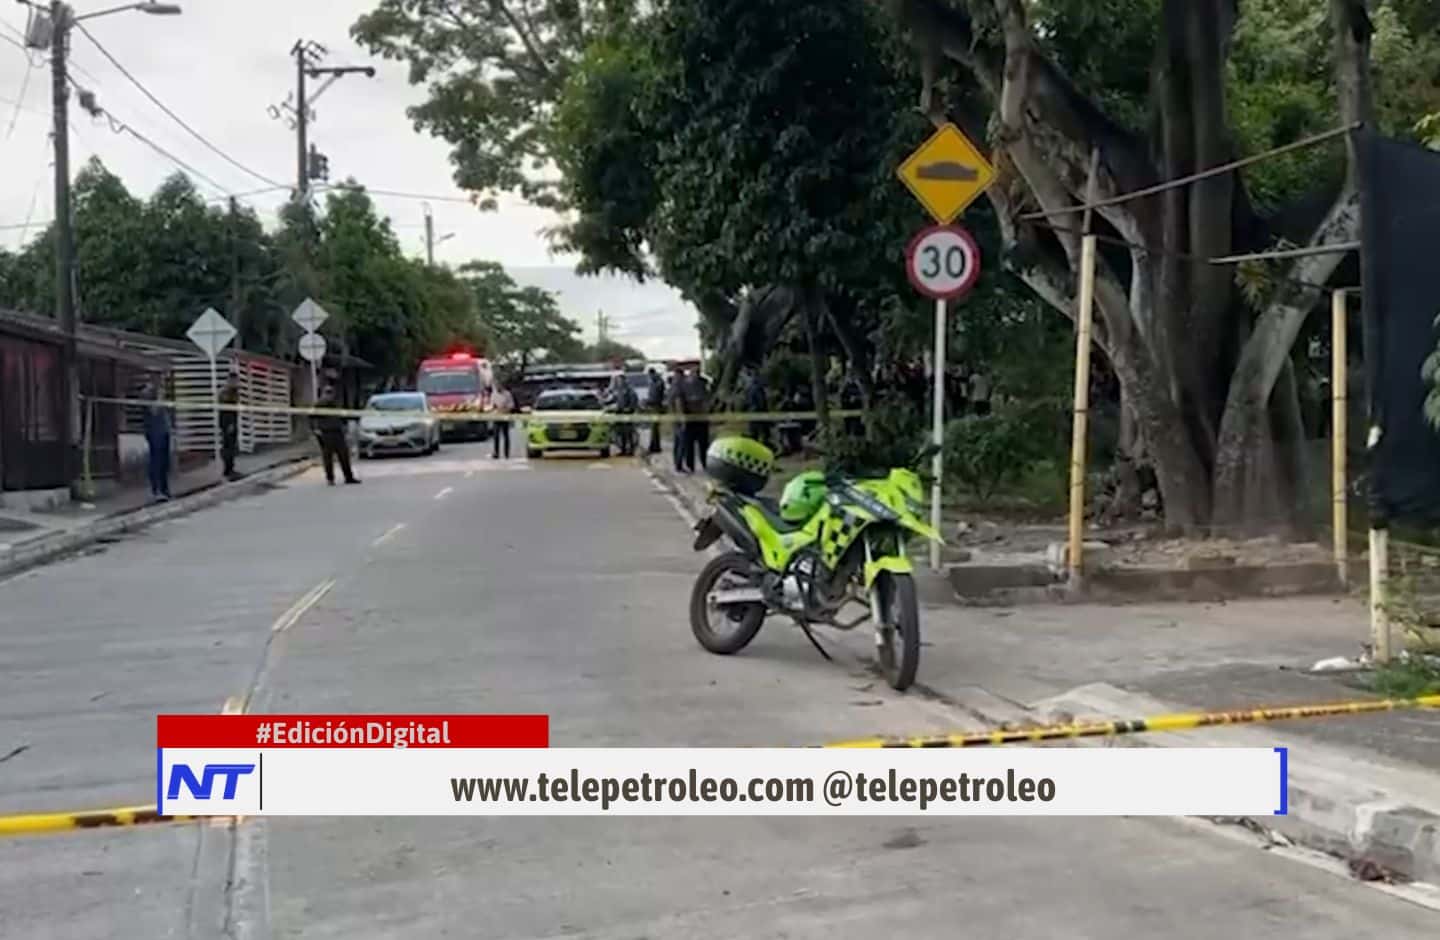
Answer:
[(741, 463)]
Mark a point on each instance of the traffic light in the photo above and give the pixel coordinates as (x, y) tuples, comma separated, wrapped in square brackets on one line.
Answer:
[(319, 165)]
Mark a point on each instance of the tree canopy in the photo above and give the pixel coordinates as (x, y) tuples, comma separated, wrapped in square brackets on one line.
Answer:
[(151, 265)]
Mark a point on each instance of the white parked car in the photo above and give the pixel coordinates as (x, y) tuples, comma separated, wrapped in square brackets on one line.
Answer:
[(398, 423)]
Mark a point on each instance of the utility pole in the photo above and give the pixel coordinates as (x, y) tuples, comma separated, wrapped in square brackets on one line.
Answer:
[(64, 238), (236, 311), (302, 125), (61, 20), (429, 237), (310, 165)]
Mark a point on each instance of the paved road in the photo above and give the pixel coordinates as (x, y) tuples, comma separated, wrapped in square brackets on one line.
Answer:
[(456, 584)]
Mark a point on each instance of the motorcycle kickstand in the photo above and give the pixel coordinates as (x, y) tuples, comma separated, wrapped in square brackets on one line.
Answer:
[(805, 626)]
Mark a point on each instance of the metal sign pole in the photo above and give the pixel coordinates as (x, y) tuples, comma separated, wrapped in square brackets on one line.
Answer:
[(215, 404), (939, 430)]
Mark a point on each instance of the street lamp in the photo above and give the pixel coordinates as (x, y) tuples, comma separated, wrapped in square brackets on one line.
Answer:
[(62, 20), (154, 9)]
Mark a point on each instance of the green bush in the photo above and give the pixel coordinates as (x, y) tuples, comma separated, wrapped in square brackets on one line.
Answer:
[(988, 452), (894, 434)]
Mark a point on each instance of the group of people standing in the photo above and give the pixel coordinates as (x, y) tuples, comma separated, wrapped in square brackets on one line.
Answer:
[(158, 424), (685, 395)]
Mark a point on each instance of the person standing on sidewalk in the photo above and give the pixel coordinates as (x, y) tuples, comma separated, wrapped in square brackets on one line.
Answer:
[(677, 414), (694, 401), (158, 423), (503, 404), (330, 433), (655, 404), (230, 424)]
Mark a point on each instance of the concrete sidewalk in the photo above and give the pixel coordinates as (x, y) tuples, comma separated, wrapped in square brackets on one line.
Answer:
[(28, 538), (1365, 788)]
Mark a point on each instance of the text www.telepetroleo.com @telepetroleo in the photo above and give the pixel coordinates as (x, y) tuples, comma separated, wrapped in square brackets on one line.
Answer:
[(503, 765)]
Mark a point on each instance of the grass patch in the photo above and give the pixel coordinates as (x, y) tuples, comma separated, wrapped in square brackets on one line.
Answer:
[(1407, 678)]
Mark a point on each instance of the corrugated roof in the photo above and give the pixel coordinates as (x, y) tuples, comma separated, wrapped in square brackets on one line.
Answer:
[(90, 342)]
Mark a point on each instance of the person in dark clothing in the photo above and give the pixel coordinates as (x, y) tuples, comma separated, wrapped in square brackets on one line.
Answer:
[(655, 404), (330, 432), (158, 424), (677, 413), (757, 402), (230, 425), (627, 403), (694, 399)]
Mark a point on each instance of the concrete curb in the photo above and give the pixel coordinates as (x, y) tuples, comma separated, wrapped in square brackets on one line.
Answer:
[(1341, 802), (50, 548)]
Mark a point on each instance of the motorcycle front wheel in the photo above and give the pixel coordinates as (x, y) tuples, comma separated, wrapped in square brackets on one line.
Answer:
[(898, 636), (728, 629)]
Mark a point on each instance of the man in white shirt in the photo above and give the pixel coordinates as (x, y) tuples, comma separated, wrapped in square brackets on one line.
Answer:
[(503, 405), (980, 392)]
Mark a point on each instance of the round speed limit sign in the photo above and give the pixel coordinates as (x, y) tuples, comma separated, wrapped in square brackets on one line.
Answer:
[(943, 262)]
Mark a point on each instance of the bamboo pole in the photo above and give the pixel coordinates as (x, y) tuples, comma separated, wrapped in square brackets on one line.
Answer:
[(1379, 576), (1338, 414), (1083, 319), (1082, 412)]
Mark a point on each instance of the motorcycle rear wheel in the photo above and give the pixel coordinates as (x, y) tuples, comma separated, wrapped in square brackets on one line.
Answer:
[(745, 620), (898, 646)]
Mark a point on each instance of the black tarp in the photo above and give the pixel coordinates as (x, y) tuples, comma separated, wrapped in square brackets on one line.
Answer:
[(1400, 256)]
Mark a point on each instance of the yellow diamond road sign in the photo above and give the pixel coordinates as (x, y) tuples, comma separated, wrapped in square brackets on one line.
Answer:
[(947, 173)]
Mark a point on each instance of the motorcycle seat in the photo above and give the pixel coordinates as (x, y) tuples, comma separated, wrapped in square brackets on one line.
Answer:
[(771, 509)]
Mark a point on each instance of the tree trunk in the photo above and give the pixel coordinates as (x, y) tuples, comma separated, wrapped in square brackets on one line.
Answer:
[(856, 354), (1202, 406), (812, 313)]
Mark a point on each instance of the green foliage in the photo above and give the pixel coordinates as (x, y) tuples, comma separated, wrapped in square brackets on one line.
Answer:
[(493, 73), (1428, 129), (1281, 87), (987, 452), (608, 155), (521, 324), (1430, 372), (1410, 677), (894, 435), (607, 350), (1118, 80), (152, 265)]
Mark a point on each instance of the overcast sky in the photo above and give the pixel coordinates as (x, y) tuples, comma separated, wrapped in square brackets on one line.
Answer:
[(220, 66)]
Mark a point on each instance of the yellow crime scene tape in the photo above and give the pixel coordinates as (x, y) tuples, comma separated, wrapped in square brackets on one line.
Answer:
[(459, 413), (38, 823), (1179, 721)]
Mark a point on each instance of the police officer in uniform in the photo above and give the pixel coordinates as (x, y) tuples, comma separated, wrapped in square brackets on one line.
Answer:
[(330, 432)]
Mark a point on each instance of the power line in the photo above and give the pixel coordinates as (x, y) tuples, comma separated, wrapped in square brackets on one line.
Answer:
[(398, 195), (172, 115), (120, 127), (24, 89)]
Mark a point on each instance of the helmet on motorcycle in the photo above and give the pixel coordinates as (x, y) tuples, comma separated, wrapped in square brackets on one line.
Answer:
[(741, 463), (802, 496)]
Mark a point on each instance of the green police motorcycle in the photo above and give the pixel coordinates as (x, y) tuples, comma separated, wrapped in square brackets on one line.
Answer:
[(828, 543)]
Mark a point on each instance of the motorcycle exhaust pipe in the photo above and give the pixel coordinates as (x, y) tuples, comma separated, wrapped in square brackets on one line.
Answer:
[(745, 595)]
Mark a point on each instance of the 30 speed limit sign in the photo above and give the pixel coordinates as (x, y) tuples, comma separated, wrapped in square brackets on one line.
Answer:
[(943, 262)]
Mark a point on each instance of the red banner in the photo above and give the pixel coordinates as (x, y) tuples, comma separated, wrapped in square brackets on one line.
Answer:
[(386, 731)]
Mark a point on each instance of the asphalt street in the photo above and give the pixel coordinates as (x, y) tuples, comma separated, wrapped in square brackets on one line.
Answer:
[(459, 584)]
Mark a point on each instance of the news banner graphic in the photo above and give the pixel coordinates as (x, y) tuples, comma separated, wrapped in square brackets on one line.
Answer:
[(502, 765)]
